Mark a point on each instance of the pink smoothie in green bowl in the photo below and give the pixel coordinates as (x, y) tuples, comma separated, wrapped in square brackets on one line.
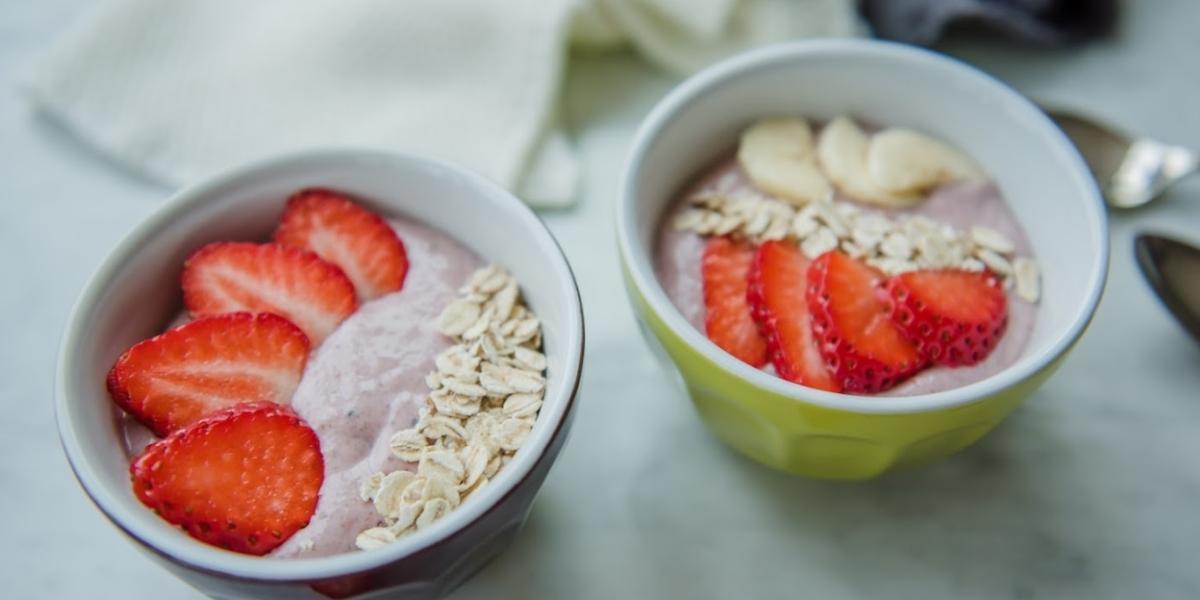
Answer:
[(961, 205)]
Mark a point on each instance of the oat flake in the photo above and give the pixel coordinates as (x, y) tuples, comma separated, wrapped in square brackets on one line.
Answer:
[(486, 392), (892, 246)]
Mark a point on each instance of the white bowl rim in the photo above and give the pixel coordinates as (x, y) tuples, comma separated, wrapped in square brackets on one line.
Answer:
[(644, 280), (223, 563)]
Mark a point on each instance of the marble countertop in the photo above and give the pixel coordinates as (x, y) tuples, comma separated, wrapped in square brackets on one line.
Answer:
[(1088, 491)]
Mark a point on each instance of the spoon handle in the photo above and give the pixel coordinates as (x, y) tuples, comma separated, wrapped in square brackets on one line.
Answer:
[(1151, 165)]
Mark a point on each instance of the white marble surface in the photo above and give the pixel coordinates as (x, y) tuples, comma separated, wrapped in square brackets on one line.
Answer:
[(1089, 491)]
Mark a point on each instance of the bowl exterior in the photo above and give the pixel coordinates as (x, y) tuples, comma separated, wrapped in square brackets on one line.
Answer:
[(432, 572), (816, 441)]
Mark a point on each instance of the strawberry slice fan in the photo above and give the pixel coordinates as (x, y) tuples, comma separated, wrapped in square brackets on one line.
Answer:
[(838, 324), (235, 466)]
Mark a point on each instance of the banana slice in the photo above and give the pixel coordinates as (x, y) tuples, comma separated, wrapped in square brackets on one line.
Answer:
[(842, 152), (777, 155), (786, 137), (901, 160)]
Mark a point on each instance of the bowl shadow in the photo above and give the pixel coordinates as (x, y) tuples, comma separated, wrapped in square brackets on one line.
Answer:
[(975, 521)]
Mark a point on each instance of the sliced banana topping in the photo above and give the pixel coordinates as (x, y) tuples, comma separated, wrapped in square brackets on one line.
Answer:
[(842, 152), (784, 137), (902, 160), (893, 168), (778, 157)]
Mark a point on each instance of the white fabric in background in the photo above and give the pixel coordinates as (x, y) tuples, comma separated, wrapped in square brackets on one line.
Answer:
[(180, 89), (683, 36)]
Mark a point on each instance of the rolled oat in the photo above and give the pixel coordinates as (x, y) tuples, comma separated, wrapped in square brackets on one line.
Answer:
[(485, 395), (892, 246)]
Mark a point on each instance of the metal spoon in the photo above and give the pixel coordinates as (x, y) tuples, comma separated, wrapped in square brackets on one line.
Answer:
[(1130, 171), (1172, 268)]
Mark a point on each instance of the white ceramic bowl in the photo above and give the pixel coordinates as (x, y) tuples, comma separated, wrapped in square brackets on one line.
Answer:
[(1040, 174), (135, 293)]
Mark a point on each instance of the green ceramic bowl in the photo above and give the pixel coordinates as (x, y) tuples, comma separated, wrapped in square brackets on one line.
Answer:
[(841, 436)]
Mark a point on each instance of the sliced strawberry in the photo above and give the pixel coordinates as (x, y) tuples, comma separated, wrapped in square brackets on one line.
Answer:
[(293, 283), (245, 478), (864, 349), (347, 235), (954, 317), (727, 320), (191, 371), (778, 280)]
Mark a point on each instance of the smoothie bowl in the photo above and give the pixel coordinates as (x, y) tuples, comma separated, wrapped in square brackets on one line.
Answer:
[(858, 255), (329, 374)]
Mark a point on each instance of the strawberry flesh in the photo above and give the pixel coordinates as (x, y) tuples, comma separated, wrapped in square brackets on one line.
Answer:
[(866, 352), (174, 379), (293, 283), (245, 478), (954, 317), (778, 280), (727, 320), (347, 235)]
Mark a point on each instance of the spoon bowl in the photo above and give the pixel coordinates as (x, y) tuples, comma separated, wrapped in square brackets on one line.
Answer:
[(1131, 171), (1172, 268)]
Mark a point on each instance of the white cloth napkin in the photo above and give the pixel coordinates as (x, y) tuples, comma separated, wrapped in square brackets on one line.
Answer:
[(181, 89)]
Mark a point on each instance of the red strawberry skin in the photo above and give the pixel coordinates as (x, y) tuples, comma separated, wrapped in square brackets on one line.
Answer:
[(778, 281), (865, 350), (725, 269), (174, 379), (347, 235), (245, 478), (293, 283), (954, 317)]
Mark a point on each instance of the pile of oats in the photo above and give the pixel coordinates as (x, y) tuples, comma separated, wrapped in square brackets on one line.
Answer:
[(485, 395), (892, 246)]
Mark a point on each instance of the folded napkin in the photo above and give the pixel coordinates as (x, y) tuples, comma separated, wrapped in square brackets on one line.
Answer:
[(683, 36), (1047, 22), (179, 90)]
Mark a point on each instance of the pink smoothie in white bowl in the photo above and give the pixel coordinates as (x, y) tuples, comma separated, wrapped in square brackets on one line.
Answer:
[(447, 477), (365, 382), (410, 373), (790, 182)]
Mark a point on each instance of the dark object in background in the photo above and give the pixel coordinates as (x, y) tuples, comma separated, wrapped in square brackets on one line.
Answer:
[(1172, 268), (1046, 22)]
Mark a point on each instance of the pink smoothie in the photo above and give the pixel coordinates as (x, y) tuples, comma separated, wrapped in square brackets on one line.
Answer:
[(365, 382), (677, 263)]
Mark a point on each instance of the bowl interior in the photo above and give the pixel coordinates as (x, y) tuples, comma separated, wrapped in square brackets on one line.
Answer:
[(1039, 173), (136, 293)]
